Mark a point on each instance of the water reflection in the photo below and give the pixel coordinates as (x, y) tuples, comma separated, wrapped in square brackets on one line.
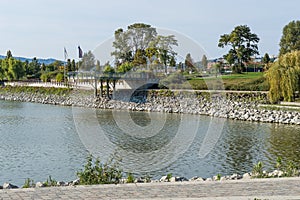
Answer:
[(284, 141)]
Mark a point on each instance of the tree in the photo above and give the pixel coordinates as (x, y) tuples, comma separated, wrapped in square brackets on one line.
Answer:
[(204, 61), (98, 66), (59, 77), (290, 40), (139, 42), (125, 67), (73, 66), (173, 61), (68, 66), (33, 68), (1, 72), (127, 43), (88, 61), (243, 45), (284, 77), (266, 60), (139, 58), (189, 63), (164, 46), (8, 54), (15, 69), (121, 44), (108, 69), (140, 36)]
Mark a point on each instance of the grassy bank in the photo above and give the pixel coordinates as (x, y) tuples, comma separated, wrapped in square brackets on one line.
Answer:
[(252, 81), (40, 90)]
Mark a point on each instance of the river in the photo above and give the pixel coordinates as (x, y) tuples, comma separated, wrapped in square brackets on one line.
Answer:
[(39, 140)]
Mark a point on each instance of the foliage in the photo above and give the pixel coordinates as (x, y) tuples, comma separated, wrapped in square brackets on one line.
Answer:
[(257, 171), (130, 178), (169, 176), (11, 69), (173, 81), (50, 182), (284, 77), (288, 169), (243, 45), (59, 77), (29, 183), (290, 39), (97, 173), (34, 90), (189, 63), (141, 45), (87, 62), (108, 69), (33, 68), (139, 58), (204, 61), (125, 67)]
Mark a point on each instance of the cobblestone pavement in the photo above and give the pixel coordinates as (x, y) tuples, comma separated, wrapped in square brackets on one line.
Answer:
[(282, 188)]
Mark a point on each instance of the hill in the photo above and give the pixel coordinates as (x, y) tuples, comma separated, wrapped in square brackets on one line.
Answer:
[(46, 61)]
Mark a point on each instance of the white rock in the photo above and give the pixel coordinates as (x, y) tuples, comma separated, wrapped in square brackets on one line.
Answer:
[(246, 176), (199, 179), (9, 186), (163, 179), (172, 179), (39, 185)]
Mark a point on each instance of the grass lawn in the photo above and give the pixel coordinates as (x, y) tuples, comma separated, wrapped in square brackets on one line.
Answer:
[(251, 81)]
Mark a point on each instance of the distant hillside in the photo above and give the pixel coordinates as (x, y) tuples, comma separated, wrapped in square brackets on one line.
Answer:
[(41, 60)]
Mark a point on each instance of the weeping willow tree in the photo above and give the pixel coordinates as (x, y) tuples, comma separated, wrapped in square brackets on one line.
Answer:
[(284, 77)]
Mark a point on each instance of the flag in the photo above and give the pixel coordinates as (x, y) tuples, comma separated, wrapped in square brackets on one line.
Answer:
[(80, 52), (65, 53)]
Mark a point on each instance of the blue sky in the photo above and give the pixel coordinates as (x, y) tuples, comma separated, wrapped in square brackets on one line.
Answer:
[(42, 28)]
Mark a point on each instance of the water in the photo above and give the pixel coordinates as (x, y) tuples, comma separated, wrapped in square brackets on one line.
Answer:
[(40, 140)]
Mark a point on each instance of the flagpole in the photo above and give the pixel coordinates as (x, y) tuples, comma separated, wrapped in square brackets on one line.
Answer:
[(65, 55)]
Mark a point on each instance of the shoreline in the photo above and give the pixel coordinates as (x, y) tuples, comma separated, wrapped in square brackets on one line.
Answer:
[(231, 105)]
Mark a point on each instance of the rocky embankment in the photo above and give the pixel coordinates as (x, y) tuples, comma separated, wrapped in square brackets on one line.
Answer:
[(168, 178), (236, 106)]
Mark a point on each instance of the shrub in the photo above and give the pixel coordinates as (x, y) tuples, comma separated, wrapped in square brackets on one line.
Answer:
[(97, 173), (29, 183)]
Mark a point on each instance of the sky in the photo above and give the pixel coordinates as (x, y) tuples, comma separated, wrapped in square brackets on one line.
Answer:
[(42, 28)]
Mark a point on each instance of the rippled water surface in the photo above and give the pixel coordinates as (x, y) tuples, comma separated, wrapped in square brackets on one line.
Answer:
[(40, 140)]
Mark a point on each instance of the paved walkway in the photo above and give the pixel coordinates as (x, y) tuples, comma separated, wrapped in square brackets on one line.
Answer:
[(282, 188)]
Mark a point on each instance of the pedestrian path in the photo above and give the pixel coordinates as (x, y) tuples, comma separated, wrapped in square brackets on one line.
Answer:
[(276, 188)]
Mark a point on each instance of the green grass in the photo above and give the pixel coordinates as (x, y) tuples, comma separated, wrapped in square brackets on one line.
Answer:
[(252, 81), (40, 90), (249, 75)]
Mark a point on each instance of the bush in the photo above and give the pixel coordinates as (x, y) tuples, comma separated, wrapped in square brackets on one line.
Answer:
[(97, 173), (29, 183)]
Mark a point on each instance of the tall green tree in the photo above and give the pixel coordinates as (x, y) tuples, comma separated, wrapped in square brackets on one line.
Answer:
[(139, 58), (33, 68), (8, 54), (243, 45), (204, 61), (141, 42), (123, 52), (87, 62), (15, 69), (189, 63), (68, 66), (2, 76), (284, 77), (73, 66), (266, 60), (290, 39)]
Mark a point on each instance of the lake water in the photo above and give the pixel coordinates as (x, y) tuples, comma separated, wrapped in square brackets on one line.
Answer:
[(40, 140)]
